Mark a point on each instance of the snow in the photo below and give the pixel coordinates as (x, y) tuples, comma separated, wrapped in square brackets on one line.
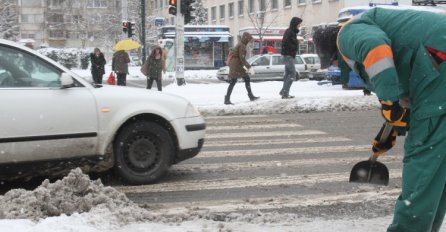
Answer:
[(209, 97), (77, 203)]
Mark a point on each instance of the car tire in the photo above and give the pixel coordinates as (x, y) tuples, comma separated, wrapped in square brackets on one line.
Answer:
[(143, 152)]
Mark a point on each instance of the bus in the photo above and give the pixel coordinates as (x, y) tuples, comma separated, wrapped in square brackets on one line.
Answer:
[(347, 13)]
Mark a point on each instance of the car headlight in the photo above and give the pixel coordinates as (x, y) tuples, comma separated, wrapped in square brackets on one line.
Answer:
[(192, 111)]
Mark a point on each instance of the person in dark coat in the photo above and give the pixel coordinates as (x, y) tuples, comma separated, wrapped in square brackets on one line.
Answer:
[(290, 45), (97, 65), (154, 65), (237, 68), (120, 65)]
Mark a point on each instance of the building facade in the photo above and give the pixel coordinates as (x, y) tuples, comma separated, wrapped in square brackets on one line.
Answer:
[(69, 23), (265, 14)]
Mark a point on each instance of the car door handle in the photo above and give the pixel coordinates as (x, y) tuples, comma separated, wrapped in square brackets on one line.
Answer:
[(267, 67)]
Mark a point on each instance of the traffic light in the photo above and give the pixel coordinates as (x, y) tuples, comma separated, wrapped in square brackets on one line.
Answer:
[(131, 29), (187, 10), (125, 26), (173, 7)]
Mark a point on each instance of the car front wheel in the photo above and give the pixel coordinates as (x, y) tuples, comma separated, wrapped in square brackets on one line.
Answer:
[(143, 152)]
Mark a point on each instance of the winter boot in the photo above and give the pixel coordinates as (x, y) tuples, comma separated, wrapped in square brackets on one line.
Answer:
[(252, 97), (227, 101)]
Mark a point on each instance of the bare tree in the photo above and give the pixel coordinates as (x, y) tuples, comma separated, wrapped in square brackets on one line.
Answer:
[(9, 28), (259, 18), (201, 14)]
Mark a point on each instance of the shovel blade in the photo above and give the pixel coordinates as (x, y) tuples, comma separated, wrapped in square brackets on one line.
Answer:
[(372, 172)]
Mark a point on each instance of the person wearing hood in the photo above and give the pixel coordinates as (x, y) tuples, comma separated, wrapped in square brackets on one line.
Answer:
[(120, 64), (97, 65), (290, 46), (401, 56), (238, 68), (153, 68)]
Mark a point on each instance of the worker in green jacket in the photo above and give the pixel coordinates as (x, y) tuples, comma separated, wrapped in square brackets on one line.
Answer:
[(400, 54)]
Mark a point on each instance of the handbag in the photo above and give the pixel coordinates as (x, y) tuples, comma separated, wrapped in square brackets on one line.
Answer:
[(145, 67), (111, 79)]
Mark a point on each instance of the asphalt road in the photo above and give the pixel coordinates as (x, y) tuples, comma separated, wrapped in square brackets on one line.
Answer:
[(293, 163)]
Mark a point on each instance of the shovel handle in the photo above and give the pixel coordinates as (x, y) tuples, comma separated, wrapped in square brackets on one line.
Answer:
[(384, 136)]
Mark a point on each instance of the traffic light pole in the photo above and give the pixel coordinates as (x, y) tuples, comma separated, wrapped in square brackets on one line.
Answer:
[(179, 47)]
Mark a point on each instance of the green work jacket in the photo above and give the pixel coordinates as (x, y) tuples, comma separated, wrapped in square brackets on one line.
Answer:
[(411, 72)]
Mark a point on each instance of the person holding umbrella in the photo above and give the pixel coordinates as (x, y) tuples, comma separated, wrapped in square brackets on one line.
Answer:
[(120, 65), (121, 60)]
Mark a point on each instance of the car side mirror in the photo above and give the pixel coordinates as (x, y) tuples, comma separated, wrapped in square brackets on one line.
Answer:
[(66, 81), (255, 64)]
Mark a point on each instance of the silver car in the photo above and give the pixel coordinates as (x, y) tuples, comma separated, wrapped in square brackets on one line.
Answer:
[(267, 67)]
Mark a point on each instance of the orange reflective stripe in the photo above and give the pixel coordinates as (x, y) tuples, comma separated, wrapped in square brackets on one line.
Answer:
[(378, 53)]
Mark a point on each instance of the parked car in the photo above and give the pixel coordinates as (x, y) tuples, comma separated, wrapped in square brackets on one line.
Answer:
[(312, 60), (267, 67), (52, 120)]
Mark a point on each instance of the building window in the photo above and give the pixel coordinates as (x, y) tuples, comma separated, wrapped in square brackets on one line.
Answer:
[(97, 4), (274, 4), (213, 13), (53, 3), (316, 1), (222, 12), (250, 6), (301, 2), (56, 18), (28, 36), (56, 34), (262, 5), (30, 18), (286, 3), (231, 10), (240, 8)]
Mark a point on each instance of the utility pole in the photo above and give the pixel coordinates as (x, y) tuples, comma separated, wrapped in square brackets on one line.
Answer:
[(179, 47), (143, 30)]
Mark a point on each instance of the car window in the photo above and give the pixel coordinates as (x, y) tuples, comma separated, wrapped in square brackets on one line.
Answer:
[(312, 60), (21, 69), (298, 60), (278, 60), (262, 61)]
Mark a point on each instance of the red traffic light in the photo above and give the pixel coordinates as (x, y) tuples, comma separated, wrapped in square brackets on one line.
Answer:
[(125, 24), (173, 2)]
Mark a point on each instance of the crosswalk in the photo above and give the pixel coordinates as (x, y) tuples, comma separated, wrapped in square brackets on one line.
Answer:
[(265, 163)]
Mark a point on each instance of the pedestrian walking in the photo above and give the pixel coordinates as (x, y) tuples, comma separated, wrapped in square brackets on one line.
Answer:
[(290, 45), (120, 64), (238, 68), (403, 62), (153, 68), (97, 65)]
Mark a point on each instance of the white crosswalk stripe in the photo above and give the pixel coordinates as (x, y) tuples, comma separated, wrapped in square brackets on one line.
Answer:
[(273, 141), (264, 153), (264, 134)]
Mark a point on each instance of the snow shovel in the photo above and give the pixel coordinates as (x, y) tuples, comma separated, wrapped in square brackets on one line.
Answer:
[(371, 171)]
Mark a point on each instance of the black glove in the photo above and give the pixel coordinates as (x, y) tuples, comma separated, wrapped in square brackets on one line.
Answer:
[(380, 147), (394, 113)]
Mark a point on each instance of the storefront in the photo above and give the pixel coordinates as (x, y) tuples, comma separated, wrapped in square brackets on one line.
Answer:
[(205, 47)]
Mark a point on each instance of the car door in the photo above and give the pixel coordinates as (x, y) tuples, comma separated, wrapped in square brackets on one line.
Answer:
[(278, 70), (262, 66), (39, 120)]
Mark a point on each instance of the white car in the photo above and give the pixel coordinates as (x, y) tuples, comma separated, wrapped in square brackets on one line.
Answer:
[(52, 120), (267, 67), (312, 61)]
